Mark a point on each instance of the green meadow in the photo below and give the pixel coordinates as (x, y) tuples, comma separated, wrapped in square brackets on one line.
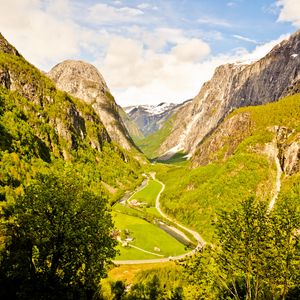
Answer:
[(146, 236), (148, 194)]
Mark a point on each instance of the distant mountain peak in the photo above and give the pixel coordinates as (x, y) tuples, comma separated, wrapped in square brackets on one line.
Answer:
[(150, 118)]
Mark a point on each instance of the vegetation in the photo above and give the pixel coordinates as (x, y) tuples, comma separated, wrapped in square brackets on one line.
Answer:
[(148, 193), (146, 236), (46, 128), (150, 144), (178, 158), (147, 284), (193, 196), (256, 255), (57, 241)]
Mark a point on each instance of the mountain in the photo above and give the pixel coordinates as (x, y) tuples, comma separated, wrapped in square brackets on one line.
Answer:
[(84, 81), (150, 118), (43, 128), (232, 86), (255, 151), (133, 130)]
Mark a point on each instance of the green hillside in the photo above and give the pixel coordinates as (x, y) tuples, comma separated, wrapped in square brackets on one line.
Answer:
[(150, 144), (194, 195), (132, 128), (43, 128)]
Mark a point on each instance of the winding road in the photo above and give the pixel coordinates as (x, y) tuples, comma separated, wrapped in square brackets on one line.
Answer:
[(196, 235)]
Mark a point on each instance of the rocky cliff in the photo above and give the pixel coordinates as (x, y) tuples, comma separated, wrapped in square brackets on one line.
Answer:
[(271, 129), (84, 81), (133, 130), (233, 86)]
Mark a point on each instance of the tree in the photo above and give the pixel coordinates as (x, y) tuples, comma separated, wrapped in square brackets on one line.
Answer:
[(256, 254), (58, 239)]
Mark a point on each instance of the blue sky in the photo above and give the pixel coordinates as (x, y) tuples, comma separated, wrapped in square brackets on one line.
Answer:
[(148, 51)]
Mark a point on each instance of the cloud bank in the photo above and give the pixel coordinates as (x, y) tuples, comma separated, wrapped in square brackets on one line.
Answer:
[(141, 64)]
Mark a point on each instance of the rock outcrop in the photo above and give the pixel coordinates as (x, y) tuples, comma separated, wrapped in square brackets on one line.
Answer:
[(233, 86), (84, 81), (289, 149), (224, 140)]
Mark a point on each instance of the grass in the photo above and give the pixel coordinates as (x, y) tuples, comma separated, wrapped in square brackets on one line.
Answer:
[(127, 273), (194, 196), (148, 194), (150, 145), (146, 236)]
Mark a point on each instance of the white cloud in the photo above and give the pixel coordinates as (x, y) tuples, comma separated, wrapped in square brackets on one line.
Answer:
[(144, 6), (260, 50), (139, 76), (231, 4), (192, 50), (214, 21), (140, 64), (42, 35), (244, 38), (290, 11), (105, 14)]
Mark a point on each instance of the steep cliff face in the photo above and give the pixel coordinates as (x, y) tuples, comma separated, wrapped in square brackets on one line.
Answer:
[(133, 130), (233, 86), (255, 129), (82, 80)]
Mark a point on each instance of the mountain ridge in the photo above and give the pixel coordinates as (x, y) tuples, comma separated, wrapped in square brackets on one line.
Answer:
[(233, 86), (150, 118)]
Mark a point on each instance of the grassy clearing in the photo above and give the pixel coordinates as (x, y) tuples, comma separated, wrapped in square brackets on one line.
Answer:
[(128, 272), (148, 194), (146, 236)]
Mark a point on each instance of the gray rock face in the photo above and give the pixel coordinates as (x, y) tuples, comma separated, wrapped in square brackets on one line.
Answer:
[(289, 150), (232, 86), (84, 81), (224, 140)]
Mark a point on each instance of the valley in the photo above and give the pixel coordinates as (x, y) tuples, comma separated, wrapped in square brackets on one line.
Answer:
[(169, 242), (196, 200)]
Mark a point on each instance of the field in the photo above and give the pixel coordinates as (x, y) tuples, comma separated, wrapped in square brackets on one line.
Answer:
[(146, 236), (148, 193)]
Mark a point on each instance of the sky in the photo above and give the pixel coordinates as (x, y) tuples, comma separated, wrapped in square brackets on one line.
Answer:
[(148, 51)]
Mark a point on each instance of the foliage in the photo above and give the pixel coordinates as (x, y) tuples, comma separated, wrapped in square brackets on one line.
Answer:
[(148, 193), (192, 196), (257, 254), (41, 126), (58, 240), (146, 236), (150, 144)]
